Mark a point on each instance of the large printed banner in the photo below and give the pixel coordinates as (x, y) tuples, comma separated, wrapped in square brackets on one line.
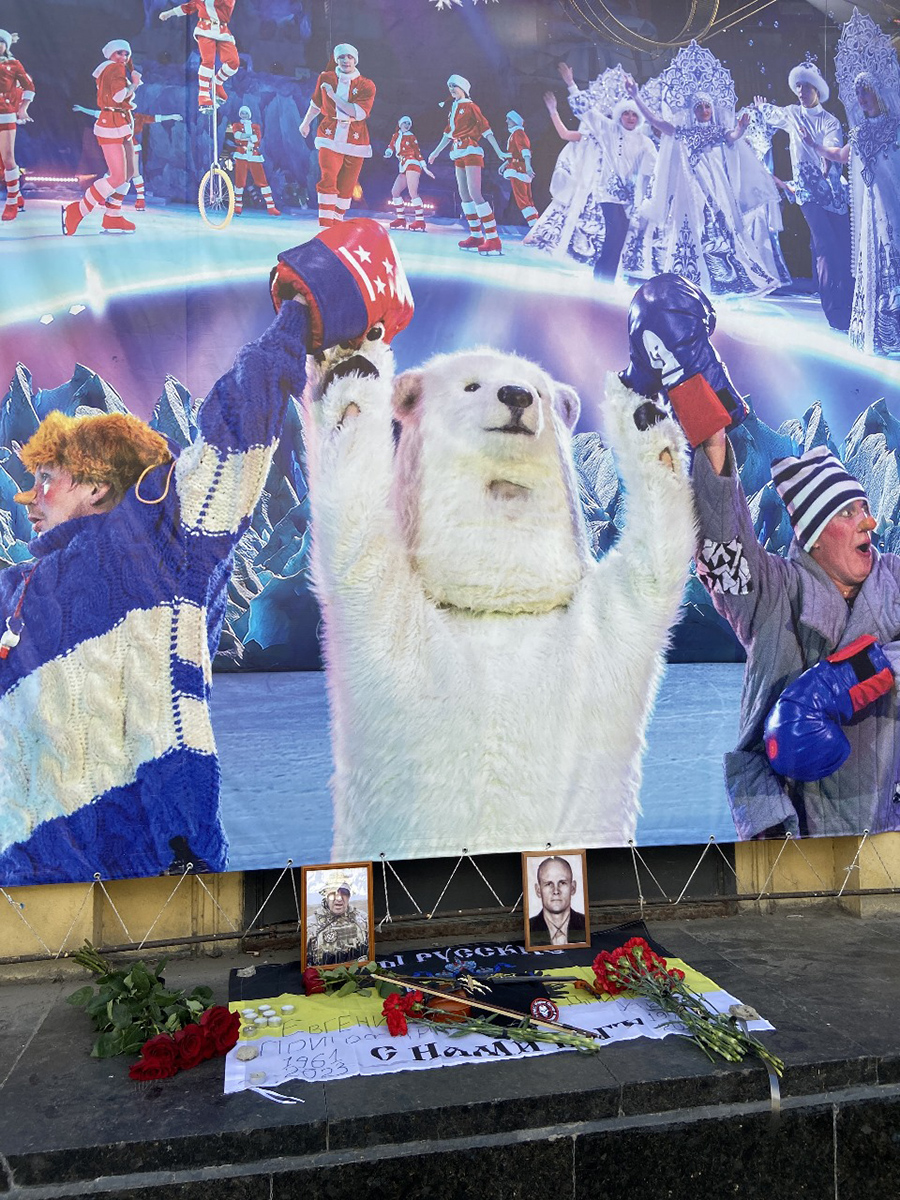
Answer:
[(446, 586)]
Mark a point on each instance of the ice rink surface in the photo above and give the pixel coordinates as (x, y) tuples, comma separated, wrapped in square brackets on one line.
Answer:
[(272, 732)]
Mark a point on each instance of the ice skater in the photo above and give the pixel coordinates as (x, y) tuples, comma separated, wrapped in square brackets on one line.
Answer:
[(818, 186), (409, 214), (117, 82), (466, 127), (517, 168), (343, 100), (16, 94), (869, 82), (627, 163), (572, 224), (713, 213), (141, 121)]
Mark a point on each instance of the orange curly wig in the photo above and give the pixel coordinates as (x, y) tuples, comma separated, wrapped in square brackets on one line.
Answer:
[(113, 449)]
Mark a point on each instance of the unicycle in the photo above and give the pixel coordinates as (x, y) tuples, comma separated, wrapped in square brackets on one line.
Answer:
[(216, 196)]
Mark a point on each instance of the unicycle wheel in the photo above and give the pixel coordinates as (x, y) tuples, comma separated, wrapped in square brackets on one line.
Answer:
[(216, 198)]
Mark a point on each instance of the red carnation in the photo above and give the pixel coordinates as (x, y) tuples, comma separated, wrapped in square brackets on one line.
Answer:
[(313, 983), (192, 1043), (396, 1009), (221, 1027)]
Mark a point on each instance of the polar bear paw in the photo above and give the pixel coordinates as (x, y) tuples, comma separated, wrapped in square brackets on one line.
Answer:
[(641, 427), (345, 381)]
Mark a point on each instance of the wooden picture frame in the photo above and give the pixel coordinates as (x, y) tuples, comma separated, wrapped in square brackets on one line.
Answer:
[(337, 917), (563, 866)]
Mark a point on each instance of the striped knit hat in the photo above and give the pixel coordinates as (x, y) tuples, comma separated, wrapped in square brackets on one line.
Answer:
[(814, 488)]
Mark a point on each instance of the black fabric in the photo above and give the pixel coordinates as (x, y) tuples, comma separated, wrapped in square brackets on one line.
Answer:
[(272, 979)]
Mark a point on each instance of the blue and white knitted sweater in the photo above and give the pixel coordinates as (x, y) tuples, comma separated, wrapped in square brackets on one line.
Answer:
[(106, 745)]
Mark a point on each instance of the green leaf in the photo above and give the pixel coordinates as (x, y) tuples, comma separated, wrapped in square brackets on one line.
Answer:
[(108, 1045), (203, 993), (81, 998), (121, 1015), (346, 988), (389, 989), (133, 1038)]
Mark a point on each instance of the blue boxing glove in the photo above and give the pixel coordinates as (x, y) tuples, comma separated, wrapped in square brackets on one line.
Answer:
[(351, 279), (803, 735), (669, 326)]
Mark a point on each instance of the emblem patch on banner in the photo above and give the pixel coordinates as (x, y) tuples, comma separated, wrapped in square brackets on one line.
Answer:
[(723, 567)]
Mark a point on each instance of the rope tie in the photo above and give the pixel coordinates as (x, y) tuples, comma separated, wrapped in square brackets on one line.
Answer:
[(87, 897), (98, 879), (287, 867), (484, 879), (17, 908), (187, 870), (447, 884), (784, 844), (697, 865), (290, 863), (199, 879)]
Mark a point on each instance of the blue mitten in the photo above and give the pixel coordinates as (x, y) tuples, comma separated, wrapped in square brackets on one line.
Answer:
[(669, 326)]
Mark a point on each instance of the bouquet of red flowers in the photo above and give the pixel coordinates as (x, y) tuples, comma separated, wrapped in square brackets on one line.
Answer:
[(638, 969), (167, 1053)]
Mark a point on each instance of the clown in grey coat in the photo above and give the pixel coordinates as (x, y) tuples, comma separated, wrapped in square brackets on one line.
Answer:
[(792, 615)]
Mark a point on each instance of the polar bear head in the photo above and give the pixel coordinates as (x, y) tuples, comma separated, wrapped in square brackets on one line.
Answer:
[(484, 485)]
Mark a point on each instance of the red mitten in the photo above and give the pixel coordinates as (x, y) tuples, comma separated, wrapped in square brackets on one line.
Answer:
[(351, 277)]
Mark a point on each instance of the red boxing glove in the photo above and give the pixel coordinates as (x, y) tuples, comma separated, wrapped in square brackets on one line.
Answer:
[(351, 278)]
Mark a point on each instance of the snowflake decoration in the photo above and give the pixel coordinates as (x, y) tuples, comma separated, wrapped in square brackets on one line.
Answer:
[(448, 4)]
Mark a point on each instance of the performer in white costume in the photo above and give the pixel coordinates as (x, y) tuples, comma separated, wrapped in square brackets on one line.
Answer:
[(713, 215), (818, 187), (626, 166), (868, 77), (572, 224)]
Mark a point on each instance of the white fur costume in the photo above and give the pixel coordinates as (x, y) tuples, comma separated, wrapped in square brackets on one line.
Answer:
[(490, 682)]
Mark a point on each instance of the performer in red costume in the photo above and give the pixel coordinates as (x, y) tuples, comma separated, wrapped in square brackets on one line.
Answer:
[(517, 168), (213, 37), (247, 138), (344, 99), (141, 121), (16, 93), (17, 100), (465, 129), (117, 81), (410, 165)]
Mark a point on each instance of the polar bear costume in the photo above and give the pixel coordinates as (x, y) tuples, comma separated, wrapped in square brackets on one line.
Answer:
[(490, 682)]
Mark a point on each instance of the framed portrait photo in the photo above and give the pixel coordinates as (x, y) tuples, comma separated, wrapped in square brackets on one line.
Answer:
[(554, 885), (337, 919)]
